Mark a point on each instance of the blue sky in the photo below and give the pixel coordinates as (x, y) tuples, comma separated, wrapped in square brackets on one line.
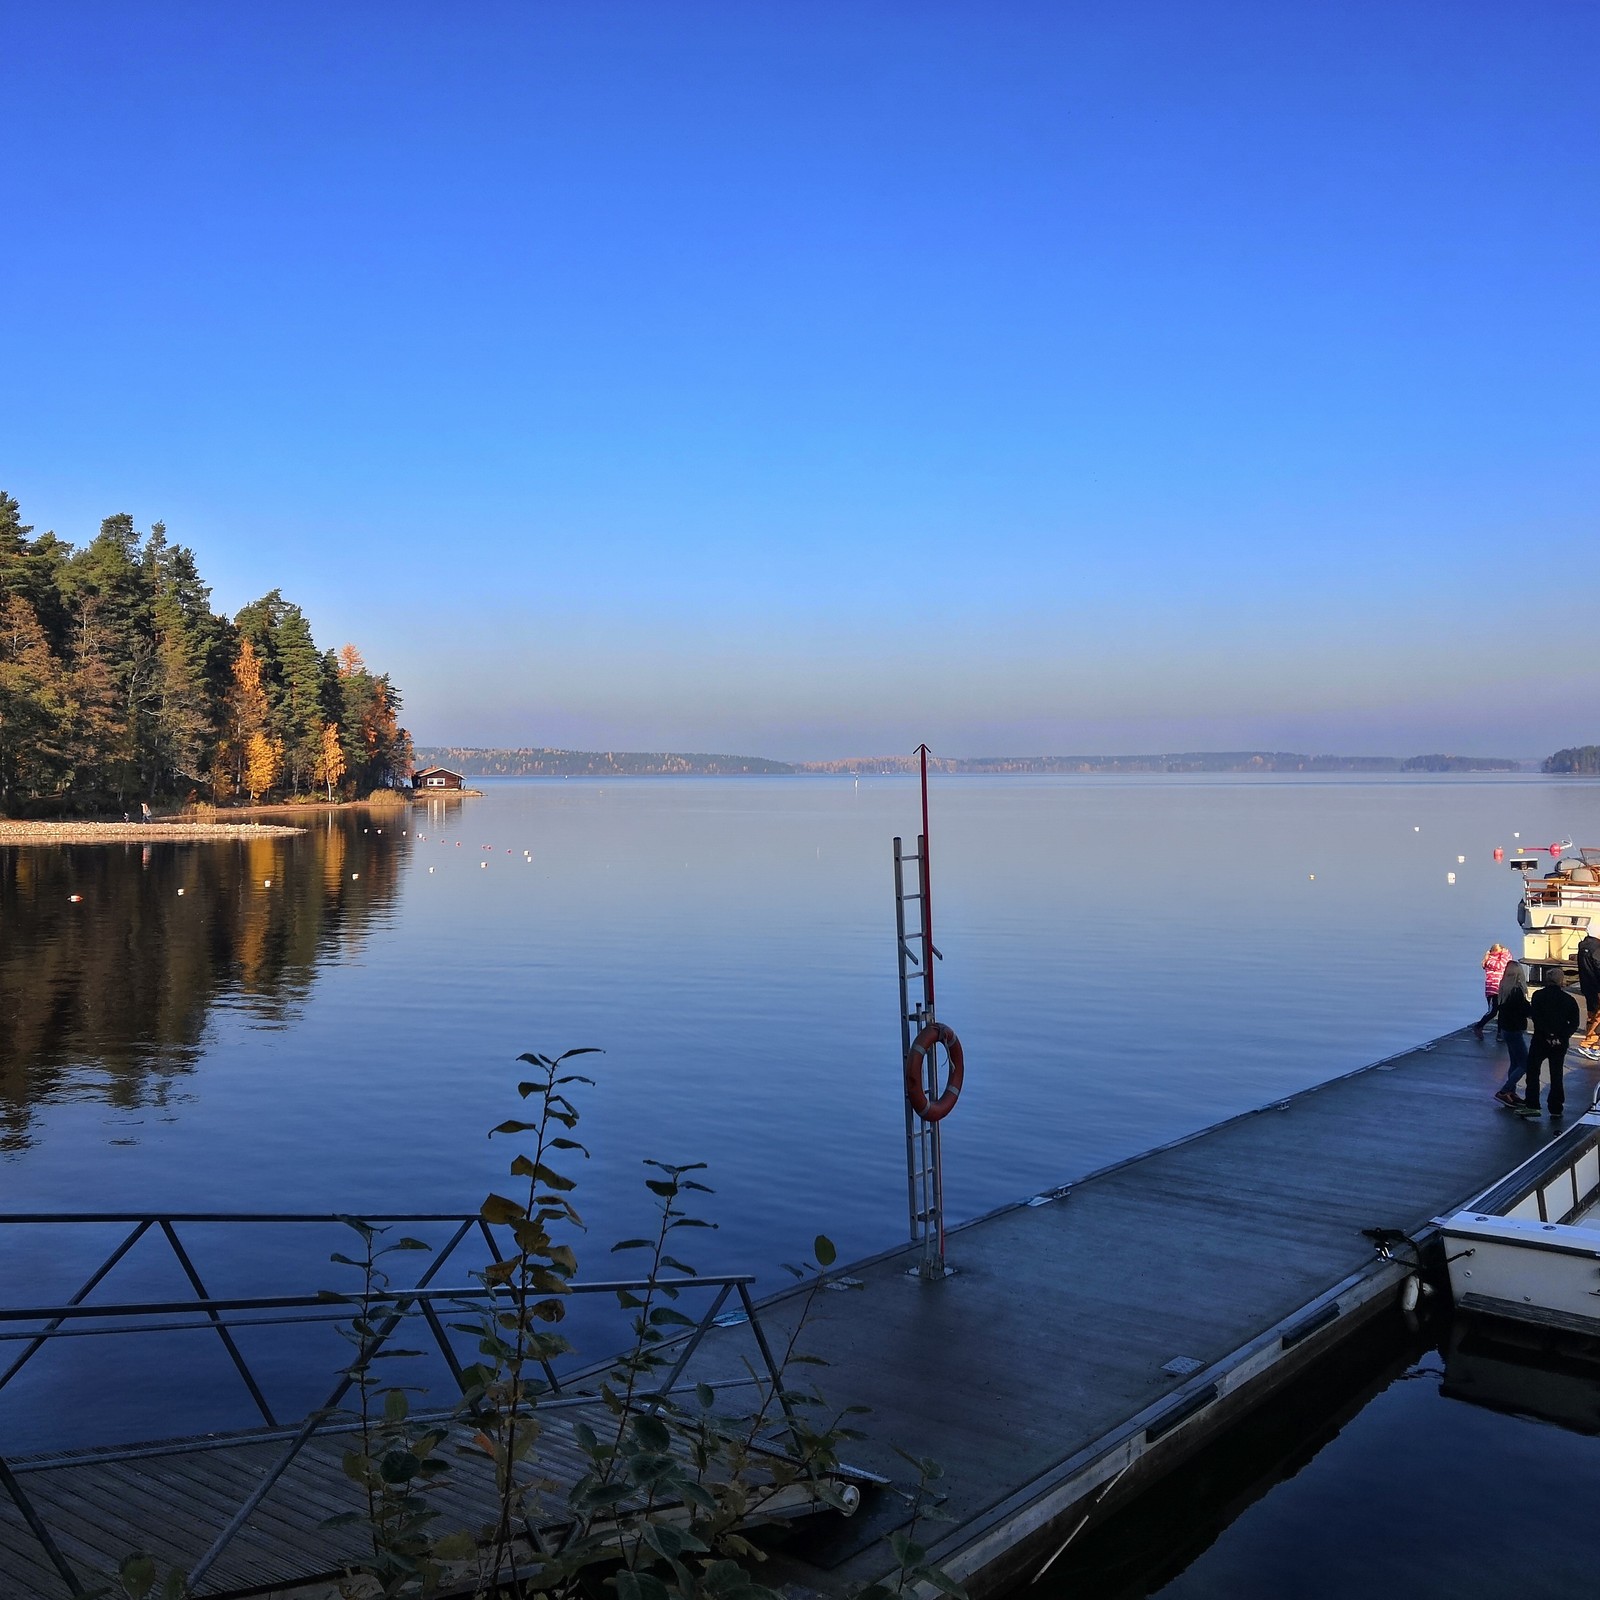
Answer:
[(815, 378)]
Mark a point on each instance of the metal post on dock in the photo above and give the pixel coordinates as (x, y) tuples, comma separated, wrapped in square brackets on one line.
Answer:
[(921, 1039)]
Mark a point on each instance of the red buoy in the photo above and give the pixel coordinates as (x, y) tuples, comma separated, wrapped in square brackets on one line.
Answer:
[(937, 1110)]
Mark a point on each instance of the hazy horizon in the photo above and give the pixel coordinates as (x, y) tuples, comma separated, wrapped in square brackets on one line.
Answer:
[(794, 380)]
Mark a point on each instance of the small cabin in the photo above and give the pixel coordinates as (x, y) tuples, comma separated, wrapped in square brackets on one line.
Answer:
[(436, 778)]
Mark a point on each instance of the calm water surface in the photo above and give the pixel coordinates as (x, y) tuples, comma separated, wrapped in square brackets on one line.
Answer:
[(1127, 959)]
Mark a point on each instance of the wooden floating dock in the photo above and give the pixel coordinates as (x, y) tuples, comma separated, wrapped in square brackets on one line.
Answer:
[(1088, 1342)]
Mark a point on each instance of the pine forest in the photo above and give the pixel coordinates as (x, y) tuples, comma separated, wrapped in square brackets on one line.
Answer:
[(119, 685)]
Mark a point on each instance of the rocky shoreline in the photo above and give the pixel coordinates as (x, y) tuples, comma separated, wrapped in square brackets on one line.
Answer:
[(20, 833)]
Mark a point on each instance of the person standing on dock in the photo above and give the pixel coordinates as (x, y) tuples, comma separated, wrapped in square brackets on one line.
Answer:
[(1494, 966), (1589, 982), (1555, 1020), (1514, 1014)]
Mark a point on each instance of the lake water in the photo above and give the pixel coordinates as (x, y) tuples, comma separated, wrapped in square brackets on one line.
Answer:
[(1126, 960)]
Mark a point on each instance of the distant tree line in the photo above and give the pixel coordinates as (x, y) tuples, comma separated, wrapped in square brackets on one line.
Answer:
[(476, 762), (1580, 758), (1184, 762), (119, 683)]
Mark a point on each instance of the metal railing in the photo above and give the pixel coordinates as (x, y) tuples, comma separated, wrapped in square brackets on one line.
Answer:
[(388, 1309)]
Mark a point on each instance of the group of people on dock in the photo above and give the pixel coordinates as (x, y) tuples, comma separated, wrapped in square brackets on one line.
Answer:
[(1550, 1013)]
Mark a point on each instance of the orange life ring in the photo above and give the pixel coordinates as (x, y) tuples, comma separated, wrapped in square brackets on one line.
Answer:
[(916, 1093)]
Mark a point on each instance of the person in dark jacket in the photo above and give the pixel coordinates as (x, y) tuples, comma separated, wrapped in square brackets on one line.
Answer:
[(1589, 982), (1514, 1014), (1555, 1020)]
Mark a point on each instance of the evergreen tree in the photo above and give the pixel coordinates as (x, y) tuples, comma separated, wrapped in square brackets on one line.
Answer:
[(34, 709), (299, 721), (187, 641), (98, 731), (109, 598)]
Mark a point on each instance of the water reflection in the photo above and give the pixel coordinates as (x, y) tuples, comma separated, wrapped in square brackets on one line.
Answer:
[(109, 997)]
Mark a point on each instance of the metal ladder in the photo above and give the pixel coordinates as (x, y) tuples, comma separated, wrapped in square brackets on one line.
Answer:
[(917, 953)]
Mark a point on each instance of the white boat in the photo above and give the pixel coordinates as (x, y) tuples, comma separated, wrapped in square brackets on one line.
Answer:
[(1529, 1248), (1557, 906)]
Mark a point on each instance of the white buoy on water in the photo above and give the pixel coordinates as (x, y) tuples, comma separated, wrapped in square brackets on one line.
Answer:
[(1449, 877), (266, 883), (1460, 860)]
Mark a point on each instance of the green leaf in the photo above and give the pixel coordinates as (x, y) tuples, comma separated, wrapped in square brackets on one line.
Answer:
[(498, 1209), (697, 1495), (512, 1125), (941, 1580), (644, 1469), (398, 1466), (627, 1585), (663, 1316), (652, 1433), (907, 1552), (455, 1547), (138, 1575), (670, 1542), (705, 1396), (602, 1494), (825, 1252), (725, 1580), (633, 1244), (395, 1406)]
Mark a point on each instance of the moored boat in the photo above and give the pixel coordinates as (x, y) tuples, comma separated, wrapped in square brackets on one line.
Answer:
[(1558, 906), (1528, 1248)]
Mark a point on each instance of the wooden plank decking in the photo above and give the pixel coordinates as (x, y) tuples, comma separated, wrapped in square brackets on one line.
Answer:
[(1033, 1374), (1036, 1375)]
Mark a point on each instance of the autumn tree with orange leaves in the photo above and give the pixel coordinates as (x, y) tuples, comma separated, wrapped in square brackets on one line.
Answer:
[(330, 758)]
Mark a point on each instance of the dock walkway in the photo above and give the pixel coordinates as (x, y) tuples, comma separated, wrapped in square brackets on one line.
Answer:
[(1039, 1375), (1088, 1341)]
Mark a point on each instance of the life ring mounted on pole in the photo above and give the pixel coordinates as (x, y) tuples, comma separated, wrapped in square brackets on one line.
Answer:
[(936, 1033)]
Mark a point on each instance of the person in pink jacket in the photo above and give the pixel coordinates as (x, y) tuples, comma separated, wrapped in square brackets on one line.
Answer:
[(1494, 966)]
